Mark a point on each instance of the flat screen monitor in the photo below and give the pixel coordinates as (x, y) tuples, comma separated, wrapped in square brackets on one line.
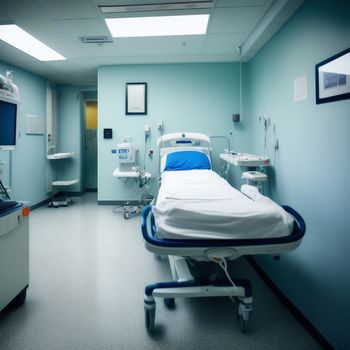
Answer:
[(8, 124)]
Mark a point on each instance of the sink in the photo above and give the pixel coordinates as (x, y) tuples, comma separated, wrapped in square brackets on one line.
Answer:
[(60, 155)]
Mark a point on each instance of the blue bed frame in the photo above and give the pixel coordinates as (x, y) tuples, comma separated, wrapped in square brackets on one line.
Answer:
[(245, 299)]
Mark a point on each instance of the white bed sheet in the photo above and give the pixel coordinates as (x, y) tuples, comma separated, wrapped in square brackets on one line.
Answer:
[(199, 204)]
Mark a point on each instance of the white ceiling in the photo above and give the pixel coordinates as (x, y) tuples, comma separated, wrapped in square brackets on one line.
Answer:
[(60, 24)]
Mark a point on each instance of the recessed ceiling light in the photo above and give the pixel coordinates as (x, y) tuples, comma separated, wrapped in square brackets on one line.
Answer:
[(158, 26), (17, 37)]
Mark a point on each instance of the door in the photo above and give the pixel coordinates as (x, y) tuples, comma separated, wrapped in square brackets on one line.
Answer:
[(90, 172)]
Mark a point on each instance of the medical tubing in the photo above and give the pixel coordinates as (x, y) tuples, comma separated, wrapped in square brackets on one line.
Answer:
[(144, 153), (223, 264), (222, 137), (228, 164)]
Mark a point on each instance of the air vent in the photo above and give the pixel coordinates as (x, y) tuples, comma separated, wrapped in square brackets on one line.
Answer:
[(99, 39), (189, 5)]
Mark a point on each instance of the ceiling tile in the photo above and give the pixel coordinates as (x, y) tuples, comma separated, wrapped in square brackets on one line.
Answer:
[(98, 50), (33, 19), (84, 27), (223, 43), (171, 45), (235, 19), (69, 9), (60, 23)]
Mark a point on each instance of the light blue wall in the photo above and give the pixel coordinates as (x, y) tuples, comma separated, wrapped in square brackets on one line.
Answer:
[(185, 97), (70, 134), (30, 169), (310, 169)]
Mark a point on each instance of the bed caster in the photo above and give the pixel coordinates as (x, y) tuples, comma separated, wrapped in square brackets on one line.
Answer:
[(242, 324), (169, 302), (52, 205), (150, 316), (126, 215), (21, 297), (244, 310)]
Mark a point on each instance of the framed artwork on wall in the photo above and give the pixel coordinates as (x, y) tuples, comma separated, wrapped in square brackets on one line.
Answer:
[(333, 78), (136, 98)]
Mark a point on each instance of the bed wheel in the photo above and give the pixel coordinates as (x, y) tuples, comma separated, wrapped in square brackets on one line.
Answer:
[(126, 215), (21, 297), (242, 324), (243, 313), (150, 315), (169, 302)]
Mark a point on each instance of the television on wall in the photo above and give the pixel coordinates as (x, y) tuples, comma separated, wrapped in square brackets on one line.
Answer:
[(8, 123)]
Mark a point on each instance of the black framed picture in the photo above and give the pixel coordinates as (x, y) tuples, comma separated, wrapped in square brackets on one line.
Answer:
[(136, 98), (333, 78)]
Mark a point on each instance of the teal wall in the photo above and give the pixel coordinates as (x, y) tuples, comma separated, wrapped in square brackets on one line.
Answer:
[(27, 169), (70, 134), (28, 166), (185, 97), (310, 169)]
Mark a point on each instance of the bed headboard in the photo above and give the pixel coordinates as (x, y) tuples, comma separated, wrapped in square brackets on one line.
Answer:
[(186, 141), (183, 141)]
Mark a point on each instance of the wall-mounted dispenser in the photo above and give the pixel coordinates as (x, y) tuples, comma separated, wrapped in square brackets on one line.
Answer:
[(236, 118)]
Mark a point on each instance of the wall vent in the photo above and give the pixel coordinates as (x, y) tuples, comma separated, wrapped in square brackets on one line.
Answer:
[(185, 5), (97, 39)]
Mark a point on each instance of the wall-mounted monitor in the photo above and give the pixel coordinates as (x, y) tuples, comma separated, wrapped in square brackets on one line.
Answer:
[(8, 123)]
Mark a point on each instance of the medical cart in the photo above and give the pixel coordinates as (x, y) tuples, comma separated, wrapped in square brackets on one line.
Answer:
[(14, 252)]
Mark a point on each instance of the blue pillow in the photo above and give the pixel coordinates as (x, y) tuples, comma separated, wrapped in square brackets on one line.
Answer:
[(186, 160)]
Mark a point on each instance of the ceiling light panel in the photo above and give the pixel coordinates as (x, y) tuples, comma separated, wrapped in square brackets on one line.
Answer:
[(190, 5), (17, 37), (158, 26)]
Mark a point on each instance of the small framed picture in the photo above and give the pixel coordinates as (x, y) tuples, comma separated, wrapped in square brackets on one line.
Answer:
[(136, 98), (333, 78)]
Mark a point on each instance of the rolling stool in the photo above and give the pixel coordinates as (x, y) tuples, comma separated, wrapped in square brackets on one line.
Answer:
[(256, 179)]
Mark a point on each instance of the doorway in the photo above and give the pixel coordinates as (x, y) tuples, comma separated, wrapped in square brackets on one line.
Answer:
[(90, 164)]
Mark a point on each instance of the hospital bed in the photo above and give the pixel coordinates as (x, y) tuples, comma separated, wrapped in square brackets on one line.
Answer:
[(201, 222)]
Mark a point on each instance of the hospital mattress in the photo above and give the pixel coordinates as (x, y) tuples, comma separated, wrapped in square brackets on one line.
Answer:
[(199, 204)]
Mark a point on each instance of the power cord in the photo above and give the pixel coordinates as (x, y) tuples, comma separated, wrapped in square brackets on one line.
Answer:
[(144, 153), (223, 264)]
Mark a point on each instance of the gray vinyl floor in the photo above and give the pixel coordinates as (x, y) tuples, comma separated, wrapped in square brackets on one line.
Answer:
[(88, 269)]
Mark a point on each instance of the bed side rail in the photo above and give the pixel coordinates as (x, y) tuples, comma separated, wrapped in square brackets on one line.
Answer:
[(148, 222)]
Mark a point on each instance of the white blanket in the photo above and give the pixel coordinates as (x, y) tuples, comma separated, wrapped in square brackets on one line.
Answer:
[(199, 204)]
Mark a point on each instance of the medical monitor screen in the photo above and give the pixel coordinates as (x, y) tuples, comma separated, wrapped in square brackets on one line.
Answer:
[(8, 120)]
